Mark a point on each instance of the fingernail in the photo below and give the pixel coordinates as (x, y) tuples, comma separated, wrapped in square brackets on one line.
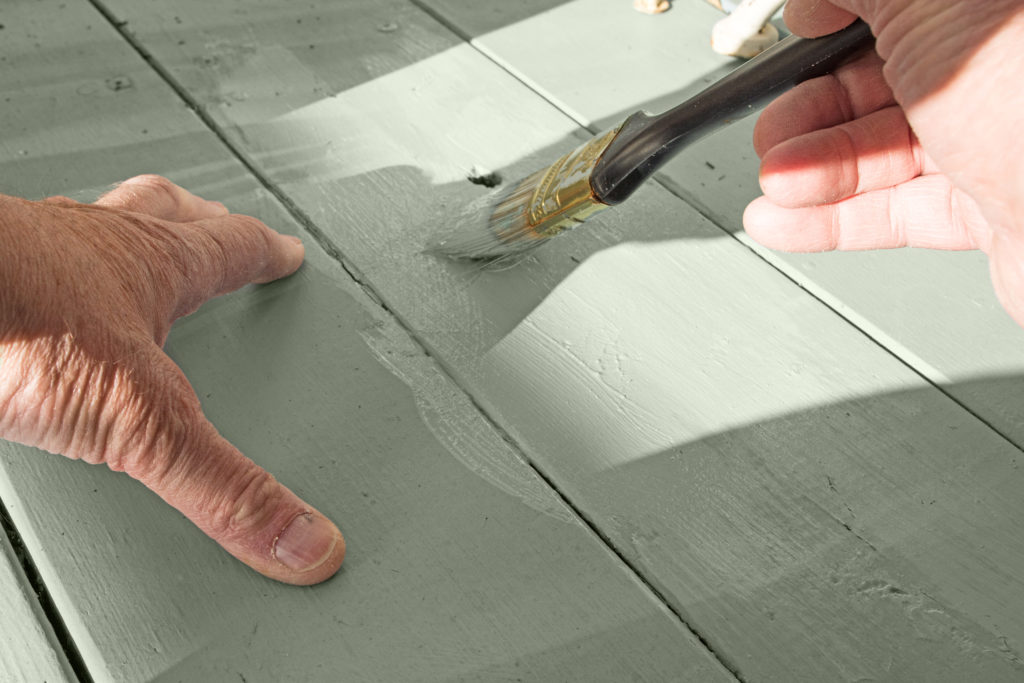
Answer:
[(305, 543)]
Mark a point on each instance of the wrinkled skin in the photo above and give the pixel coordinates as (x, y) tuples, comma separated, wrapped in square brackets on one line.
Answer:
[(88, 293), (915, 145)]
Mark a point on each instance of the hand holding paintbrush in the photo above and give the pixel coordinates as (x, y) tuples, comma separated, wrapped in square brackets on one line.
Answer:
[(917, 145), (607, 169)]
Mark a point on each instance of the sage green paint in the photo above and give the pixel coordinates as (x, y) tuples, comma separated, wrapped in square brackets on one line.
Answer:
[(936, 310), (804, 498), (463, 563), (477, 18), (28, 649), (799, 495)]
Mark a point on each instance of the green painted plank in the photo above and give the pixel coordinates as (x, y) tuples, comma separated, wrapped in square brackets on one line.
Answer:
[(28, 649), (463, 564), (477, 18), (812, 506), (935, 309)]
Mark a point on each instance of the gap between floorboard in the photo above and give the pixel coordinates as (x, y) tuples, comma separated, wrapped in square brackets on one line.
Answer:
[(64, 641), (332, 250), (777, 265), (336, 253)]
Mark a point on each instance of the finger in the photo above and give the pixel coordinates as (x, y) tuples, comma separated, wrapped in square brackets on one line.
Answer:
[(854, 90), (229, 252), (170, 447), (158, 197), (59, 200), (924, 212), (813, 18), (869, 153), (1007, 271)]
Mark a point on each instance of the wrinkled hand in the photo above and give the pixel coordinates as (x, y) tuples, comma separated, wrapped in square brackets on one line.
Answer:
[(917, 145), (88, 293)]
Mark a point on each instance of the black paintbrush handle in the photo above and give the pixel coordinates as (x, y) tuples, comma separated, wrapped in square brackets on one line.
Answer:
[(646, 142)]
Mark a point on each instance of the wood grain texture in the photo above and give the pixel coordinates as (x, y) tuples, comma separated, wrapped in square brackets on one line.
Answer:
[(936, 310), (809, 504), (463, 563), (28, 649), (477, 18)]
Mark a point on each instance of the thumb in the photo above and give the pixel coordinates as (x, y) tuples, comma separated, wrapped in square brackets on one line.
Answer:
[(1007, 271), (238, 504), (814, 18)]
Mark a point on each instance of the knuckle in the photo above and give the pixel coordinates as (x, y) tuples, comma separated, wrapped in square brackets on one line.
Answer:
[(17, 380), (253, 231), (240, 245), (157, 424), (78, 398), (152, 181), (61, 200), (150, 191), (248, 503)]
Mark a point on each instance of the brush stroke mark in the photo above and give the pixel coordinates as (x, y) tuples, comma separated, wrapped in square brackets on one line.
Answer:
[(459, 427), (935, 622)]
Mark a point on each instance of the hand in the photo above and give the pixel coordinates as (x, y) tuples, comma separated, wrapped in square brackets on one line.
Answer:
[(917, 145), (88, 293)]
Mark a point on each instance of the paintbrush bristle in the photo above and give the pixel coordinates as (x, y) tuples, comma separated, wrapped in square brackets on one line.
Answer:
[(493, 226), (523, 216)]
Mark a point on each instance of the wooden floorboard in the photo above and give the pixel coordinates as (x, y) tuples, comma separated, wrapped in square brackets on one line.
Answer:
[(799, 494), (463, 563), (472, 19), (29, 650), (936, 310)]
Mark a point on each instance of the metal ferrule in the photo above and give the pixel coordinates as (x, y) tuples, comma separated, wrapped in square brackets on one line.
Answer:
[(562, 197)]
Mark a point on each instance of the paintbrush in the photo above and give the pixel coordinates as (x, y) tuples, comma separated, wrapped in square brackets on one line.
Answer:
[(607, 169)]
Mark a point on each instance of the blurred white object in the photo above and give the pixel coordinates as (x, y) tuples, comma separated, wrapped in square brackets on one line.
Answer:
[(746, 32)]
